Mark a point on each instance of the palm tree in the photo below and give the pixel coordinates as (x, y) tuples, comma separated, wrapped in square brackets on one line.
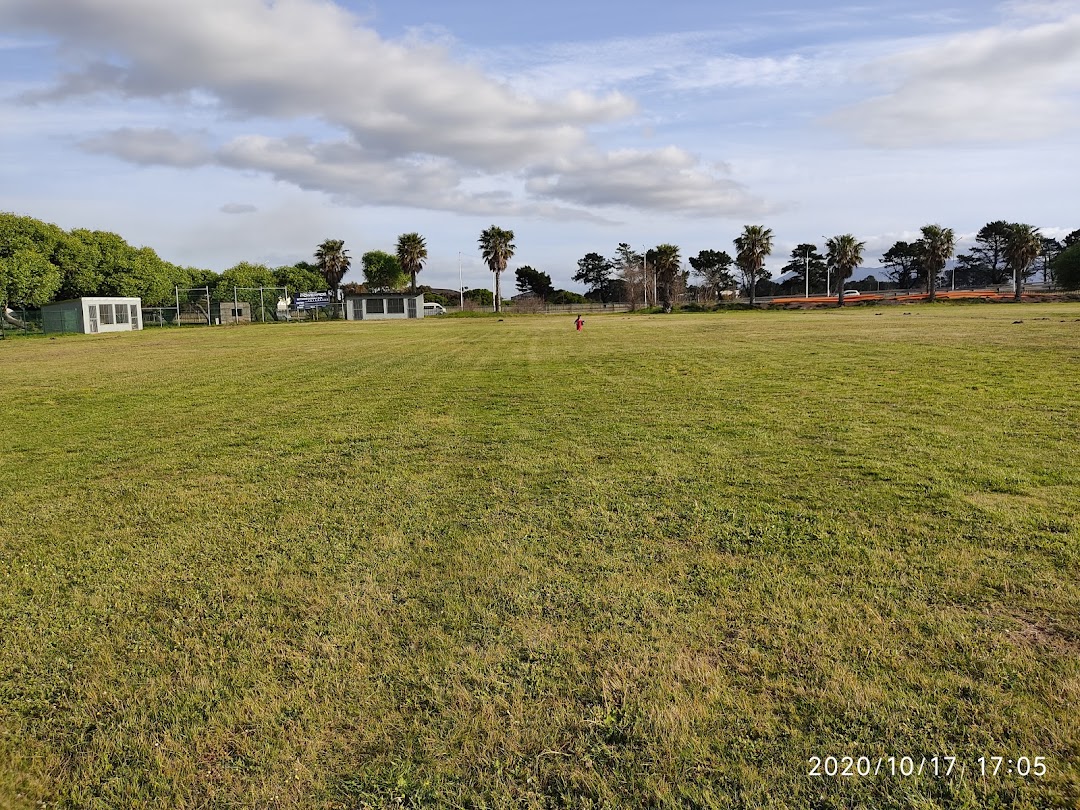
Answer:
[(333, 262), (753, 245), (938, 245), (411, 254), (844, 254), (665, 261), (497, 247), (1022, 247)]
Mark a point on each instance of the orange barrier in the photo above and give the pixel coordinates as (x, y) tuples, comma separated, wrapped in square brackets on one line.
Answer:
[(903, 299)]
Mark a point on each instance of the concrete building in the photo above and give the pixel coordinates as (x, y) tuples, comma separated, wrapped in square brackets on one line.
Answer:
[(93, 315), (384, 306), (226, 312)]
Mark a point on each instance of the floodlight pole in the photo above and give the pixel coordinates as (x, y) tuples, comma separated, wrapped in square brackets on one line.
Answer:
[(645, 275), (806, 272), (460, 288), (178, 305), (828, 275), (209, 320)]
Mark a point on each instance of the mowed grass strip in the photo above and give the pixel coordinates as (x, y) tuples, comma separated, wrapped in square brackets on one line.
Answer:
[(482, 563)]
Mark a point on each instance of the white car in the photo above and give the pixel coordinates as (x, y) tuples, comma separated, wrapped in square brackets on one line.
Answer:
[(432, 308), (851, 292)]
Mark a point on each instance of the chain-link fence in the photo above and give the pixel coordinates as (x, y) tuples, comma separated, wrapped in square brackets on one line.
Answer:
[(20, 321)]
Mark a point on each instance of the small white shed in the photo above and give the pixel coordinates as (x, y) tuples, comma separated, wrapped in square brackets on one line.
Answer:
[(93, 315), (383, 306)]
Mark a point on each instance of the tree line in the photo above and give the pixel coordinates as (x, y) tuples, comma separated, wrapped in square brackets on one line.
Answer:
[(1003, 253), (40, 262)]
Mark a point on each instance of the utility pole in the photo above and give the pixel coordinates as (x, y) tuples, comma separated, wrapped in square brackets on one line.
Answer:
[(461, 290), (645, 276), (806, 272), (828, 274)]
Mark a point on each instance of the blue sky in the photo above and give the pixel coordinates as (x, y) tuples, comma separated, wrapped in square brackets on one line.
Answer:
[(218, 131)]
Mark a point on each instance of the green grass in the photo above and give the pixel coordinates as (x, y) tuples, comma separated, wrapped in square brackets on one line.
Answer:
[(473, 563)]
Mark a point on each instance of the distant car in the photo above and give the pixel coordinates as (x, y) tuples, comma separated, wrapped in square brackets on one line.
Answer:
[(432, 308), (851, 292)]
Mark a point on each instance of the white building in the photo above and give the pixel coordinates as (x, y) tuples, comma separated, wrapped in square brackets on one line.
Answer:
[(92, 315), (383, 306)]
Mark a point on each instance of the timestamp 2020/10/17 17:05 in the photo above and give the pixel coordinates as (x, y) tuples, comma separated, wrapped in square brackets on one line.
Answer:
[(939, 766)]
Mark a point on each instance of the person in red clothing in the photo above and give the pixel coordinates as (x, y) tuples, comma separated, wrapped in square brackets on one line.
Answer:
[(580, 322)]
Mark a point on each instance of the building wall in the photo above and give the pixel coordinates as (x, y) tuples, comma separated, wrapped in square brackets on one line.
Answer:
[(113, 314), (226, 312), (382, 308), (65, 316), (93, 315)]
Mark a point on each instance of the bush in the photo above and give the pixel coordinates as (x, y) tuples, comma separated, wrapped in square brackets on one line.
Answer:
[(480, 296), (567, 297), (1066, 268)]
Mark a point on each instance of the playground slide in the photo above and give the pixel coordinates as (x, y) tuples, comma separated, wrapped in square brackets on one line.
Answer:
[(9, 317)]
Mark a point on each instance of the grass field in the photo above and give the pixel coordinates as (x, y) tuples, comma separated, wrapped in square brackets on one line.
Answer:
[(482, 563)]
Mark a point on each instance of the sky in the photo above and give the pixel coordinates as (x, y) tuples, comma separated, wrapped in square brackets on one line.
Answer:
[(221, 131)]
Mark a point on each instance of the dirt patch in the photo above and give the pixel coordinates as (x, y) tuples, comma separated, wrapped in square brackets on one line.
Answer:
[(999, 500), (1045, 632)]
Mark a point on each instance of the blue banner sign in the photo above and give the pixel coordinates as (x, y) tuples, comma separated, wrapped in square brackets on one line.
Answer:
[(311, 300)]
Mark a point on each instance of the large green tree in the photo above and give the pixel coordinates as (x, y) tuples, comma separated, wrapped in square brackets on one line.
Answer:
[(938, 245), (300, 277), (753, 245), (480, 296), (985, 262), (531, 281), (805, 259), (242, 282), (27, 279), (844, 254), (1022, 247), (904, 264), (630, 269), (667, 264), (497, 248), (80, 263), (411, 255), (1066, 268), (595, 272), (1050, 249), (333, 262), (382, 271), (92, 262), (713, 267), (28, 276)]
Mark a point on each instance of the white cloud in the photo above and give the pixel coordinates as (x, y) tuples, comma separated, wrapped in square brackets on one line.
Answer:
[(413, 125), (663, 62), (739, 71), (1008, 83), (151, 147), (665, 179)]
